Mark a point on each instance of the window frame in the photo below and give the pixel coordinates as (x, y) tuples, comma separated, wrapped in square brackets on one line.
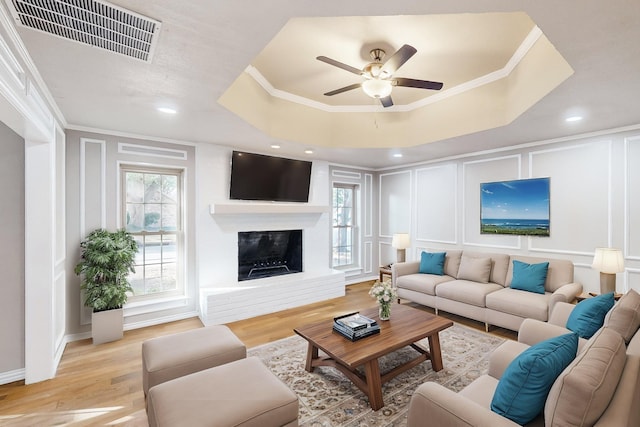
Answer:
[(355, 248), (180, 233)]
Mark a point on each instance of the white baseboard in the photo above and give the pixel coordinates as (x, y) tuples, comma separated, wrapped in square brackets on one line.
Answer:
[(361, 279), (160, 320), (137, 325), (12, 376)]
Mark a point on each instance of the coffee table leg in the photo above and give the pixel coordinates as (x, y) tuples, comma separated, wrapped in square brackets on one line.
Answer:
[(374, 384), (312, 353), (435, 352)]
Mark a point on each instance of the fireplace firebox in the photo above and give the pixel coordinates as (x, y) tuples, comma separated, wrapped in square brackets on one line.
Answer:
[(269, 253)]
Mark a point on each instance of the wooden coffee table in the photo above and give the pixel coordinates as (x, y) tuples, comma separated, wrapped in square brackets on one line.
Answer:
[(406, 327)]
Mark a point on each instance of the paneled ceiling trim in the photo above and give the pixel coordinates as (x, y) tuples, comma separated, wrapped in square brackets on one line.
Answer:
[(531, 39)]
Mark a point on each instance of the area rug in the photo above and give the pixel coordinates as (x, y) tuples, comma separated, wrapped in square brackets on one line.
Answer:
[(328, 399)]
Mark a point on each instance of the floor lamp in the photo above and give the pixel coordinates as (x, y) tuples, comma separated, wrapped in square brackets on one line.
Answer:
[(401, 242), (609, 262)]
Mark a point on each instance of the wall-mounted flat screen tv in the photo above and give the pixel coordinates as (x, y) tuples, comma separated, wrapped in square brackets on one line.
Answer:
[(269, 178), (519, 207)]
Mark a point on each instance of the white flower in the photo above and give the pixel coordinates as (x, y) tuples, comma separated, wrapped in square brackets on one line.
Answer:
[(383, 292)]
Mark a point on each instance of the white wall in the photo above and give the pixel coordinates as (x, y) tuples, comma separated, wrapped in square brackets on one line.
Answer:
[(93, 201), (12, 234), (367, 259), (217, 241), (595, 202)]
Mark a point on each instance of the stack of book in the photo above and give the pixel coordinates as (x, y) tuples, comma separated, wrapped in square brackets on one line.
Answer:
[(355, 326)]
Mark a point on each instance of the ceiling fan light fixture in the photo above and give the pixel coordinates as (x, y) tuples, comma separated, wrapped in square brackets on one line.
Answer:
[(377, 88)]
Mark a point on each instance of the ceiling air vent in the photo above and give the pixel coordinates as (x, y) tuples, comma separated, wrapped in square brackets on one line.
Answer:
[(96, 23)]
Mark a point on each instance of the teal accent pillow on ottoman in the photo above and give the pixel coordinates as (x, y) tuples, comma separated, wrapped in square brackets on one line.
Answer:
[(529, 277), (525, 384), (432, 263), (589, 314)]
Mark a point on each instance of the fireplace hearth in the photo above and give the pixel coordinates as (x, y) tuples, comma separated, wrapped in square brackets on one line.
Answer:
[(269, 253)]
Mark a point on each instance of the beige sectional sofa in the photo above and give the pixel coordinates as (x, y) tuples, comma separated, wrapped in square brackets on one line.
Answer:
[(600, 387), (477, 285)]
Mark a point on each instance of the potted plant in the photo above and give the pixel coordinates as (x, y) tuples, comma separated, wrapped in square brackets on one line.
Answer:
[(106, 261)]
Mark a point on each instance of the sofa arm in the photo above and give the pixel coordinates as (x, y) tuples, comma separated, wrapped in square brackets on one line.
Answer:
[(532, 331), (560, 313), (502, 356), (402, 269), (565, 293), (435, 405)]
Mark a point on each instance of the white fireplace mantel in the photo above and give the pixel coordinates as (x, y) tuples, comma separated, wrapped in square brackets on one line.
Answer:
[(266, 208)]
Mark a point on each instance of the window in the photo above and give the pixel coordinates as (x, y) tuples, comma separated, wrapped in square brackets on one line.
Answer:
[(152, 213), (344, 226)]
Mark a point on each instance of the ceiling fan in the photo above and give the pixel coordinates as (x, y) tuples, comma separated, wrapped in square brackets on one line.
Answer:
[(378, 76)]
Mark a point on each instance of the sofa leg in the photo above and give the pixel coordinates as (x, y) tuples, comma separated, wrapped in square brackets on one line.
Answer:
[(436, 309), (486, 327)]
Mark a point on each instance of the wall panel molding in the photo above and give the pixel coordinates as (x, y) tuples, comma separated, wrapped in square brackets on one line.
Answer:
[(577, 174), (60, 197), (474, 173), (436, 202), (368, 257), (632, 276), (93, 152), (632, 198), (395, 202), (346, 174), (368, 205), (149, 151)]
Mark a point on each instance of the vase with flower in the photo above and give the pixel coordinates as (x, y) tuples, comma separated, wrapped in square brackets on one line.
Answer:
[(384, 293)]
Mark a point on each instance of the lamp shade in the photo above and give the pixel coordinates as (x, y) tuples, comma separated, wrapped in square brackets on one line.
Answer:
[(401, 241), (608, 260), (377, 88)]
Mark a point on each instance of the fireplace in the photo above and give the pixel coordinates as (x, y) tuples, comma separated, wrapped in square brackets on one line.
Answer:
[(269, 253)]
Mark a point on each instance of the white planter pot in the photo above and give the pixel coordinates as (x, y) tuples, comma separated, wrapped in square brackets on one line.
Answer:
[(106, 326)]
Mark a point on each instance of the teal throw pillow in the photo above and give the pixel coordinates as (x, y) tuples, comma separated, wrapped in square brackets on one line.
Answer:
[(523, 388), (589, 314), (432, 263), (529, 277)]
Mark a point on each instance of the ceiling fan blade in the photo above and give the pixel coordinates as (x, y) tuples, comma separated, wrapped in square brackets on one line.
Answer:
[(338, 64), (420, 84), (396, 61), (386, 101), (343, 89)]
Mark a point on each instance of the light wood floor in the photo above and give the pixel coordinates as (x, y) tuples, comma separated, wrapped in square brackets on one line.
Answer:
[(102, 385)]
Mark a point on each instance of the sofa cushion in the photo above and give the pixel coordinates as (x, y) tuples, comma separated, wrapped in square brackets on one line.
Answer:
[(559, 273), (588, 316), (464, 291), (525, 384), (474, 269), (624, 317), (583, 391), (432, 263), (499, 265), (452, 262), (529, 277), (520, 303), (425, 283)]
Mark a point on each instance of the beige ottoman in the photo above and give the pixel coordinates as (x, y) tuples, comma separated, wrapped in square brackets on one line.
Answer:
[(172, 356), (241, 393)]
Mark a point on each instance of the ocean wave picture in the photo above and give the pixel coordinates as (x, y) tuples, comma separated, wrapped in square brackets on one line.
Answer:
[(518, 207)]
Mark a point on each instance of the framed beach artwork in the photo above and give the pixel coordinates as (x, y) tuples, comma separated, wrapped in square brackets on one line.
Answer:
[(518, 207)]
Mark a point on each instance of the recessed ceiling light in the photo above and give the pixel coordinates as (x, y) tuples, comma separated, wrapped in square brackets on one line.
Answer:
[(275, 146), (573, 119), (308, 151), (398, 155), (166, 110)]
